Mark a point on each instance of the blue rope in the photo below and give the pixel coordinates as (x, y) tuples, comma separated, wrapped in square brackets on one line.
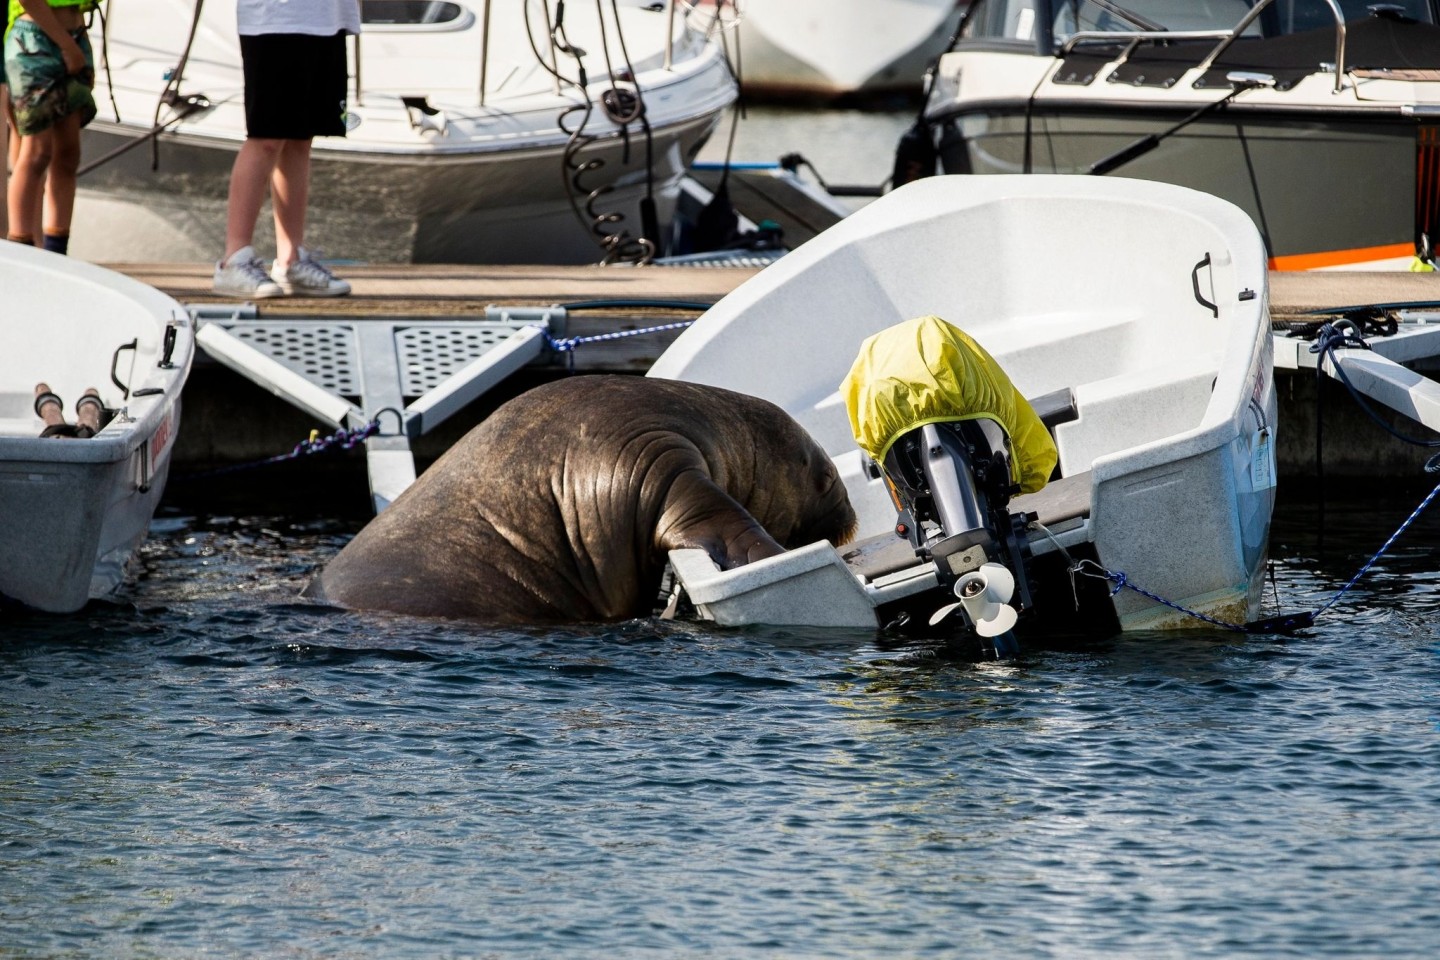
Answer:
[(1414, 515), (341, 439), (568, 344), (1326, 340), (1284, 623), (1122, 582)]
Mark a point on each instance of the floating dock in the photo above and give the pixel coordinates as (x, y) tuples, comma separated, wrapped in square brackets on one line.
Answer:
[(230, 420)]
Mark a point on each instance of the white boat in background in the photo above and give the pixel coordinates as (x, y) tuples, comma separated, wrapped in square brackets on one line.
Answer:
[(75, 508), (480, 131), (1315, 117), (826, 49), (1134, 316)]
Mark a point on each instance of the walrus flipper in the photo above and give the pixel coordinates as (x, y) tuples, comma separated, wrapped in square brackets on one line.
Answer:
[(699, 515)]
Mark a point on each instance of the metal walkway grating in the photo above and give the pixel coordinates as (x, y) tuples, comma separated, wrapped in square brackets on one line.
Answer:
[(323, 353), (430, 353), (327, 353)]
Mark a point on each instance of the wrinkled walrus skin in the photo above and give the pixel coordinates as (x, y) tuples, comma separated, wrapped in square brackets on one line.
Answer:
[(563, 504)]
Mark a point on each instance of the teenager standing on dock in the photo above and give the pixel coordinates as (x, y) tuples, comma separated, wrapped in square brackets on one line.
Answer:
[(50, 71), (4, 125), (293, 53)]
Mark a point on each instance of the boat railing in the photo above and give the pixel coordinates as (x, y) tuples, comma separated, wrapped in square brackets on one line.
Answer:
[(549, 29), (1226, 38), (1137, 37)]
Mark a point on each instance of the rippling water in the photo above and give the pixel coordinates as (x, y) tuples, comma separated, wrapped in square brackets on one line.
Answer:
[(211, 767)]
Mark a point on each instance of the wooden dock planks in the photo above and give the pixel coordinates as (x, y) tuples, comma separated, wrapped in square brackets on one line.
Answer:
[(228, 419), (460, 290)]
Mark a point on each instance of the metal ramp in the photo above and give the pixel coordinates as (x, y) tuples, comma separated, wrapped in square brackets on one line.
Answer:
[(351, 372)]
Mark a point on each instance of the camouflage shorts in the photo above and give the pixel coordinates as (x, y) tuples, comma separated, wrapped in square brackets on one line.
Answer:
[(43, 94)]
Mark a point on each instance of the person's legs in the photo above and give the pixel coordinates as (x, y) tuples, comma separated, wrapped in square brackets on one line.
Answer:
[(4, 151), (28, 184), (286, 104), (240, 272), (60, 182), (290, 194), (49, 104), (250, 178), (294, 269)]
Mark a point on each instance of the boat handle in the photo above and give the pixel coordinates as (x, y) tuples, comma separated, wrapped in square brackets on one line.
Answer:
[(1195, 282), (168, 351), (146, 477), (115, 364)]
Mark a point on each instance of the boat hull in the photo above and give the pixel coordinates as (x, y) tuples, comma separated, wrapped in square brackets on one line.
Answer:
[(474, 135), (1271, 166), (1208, 554), (802, 49), (75, 509), (511, 206), (72, 528)]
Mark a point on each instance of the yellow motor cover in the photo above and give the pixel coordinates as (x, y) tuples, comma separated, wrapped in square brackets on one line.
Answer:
[(928, 371)]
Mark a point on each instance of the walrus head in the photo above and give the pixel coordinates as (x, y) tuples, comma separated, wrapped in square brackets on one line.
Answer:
[(828, 514), (808, 500)]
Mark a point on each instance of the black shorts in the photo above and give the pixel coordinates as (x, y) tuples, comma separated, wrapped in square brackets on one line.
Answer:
[(295, 85)]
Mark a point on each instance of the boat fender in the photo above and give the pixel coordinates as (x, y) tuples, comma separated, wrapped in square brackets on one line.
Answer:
[(954, 156), (915, 155), (717, 222), (89, 411), (50, 408)]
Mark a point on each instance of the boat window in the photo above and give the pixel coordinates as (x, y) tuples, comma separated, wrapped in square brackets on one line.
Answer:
[(1292, 16), (1073, 16), (432, 14), (1282, 16), (1003, 20)]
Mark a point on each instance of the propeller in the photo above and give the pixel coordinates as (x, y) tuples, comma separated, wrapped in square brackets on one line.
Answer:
[(985, 594)]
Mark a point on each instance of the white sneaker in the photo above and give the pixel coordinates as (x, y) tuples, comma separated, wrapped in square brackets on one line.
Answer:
[(308, 277), (242, 275)]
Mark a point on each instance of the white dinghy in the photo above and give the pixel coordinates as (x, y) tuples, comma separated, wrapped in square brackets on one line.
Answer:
[(75, 505), (1132, 314)]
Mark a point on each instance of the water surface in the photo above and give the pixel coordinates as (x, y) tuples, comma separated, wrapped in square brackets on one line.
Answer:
[(211, 767)]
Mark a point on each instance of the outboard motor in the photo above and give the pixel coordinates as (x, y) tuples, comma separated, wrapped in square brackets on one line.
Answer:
[(954, 442), (951, 482)]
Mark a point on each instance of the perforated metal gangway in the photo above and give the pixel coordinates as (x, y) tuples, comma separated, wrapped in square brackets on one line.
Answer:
[(348, 372)]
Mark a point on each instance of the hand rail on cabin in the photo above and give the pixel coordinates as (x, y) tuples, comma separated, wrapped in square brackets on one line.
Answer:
[(1249, 18), (484, 48), (1088, 36), (669, 34), (359, 90), (1339, 43)]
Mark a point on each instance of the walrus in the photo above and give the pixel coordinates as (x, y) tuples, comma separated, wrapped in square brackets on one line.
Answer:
[(562, 505)]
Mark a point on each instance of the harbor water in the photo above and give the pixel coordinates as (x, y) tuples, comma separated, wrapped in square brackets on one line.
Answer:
[(208, 766)]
